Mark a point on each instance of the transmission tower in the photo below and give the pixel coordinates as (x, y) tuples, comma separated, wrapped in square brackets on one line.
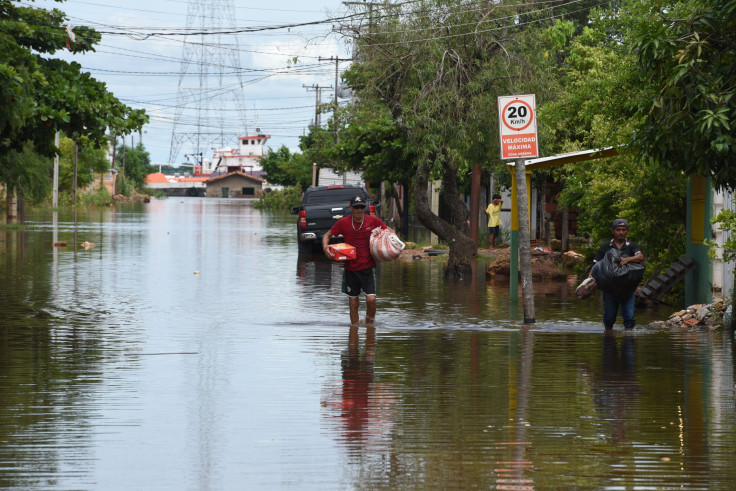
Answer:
[(210, 110)]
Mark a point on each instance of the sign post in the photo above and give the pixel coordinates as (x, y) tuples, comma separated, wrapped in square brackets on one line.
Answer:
[(517, 122)]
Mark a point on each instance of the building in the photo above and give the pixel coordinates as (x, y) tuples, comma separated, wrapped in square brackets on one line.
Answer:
[(235, 184)]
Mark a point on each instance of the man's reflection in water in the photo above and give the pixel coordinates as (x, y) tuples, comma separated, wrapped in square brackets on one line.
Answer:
[(615, 387), (357, 385)]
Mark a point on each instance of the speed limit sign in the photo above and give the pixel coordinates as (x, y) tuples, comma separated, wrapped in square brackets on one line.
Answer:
[(517, 122)]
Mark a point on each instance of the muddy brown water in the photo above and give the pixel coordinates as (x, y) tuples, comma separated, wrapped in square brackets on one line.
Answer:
[(192, 348)]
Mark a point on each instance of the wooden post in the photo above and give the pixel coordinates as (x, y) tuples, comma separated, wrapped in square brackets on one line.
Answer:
[(525, 253)]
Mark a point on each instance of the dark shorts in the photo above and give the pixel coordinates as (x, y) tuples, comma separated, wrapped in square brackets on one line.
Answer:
[(355, 281), (494, 230)]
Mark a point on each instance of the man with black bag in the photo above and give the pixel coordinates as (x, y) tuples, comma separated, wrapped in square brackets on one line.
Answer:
[(617, 273)]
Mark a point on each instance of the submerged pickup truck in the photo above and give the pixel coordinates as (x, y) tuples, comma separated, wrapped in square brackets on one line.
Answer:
[(321, 207)]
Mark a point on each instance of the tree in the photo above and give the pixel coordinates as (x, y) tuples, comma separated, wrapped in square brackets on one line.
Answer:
[(372, 143), (596, 107), (686, 53), (90, 161), (135, 164), (42, 95), (286, 168), (438, 68), (25, 172)]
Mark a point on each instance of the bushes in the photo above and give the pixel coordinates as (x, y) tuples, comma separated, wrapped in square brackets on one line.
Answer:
[(283, 199)]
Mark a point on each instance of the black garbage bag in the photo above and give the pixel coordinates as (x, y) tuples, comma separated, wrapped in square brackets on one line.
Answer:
[(617, 280)]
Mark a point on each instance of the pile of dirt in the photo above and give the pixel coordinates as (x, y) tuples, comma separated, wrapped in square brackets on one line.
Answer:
[(545, 266), (135, 197)]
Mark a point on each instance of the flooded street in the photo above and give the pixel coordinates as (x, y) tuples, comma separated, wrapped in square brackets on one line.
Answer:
[(192, 349)]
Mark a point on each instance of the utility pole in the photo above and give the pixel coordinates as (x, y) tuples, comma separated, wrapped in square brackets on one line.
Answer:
[(337, 61), (317, 101)]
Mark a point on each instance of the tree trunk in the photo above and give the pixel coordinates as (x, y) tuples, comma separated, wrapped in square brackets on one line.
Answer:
[(475, 203), (21, 204), (462, 249)]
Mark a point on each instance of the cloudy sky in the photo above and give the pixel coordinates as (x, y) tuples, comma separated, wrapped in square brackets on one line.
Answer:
[(213, 68)]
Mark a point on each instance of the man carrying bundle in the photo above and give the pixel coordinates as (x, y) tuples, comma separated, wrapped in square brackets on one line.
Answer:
[(617, 292), (360, 273)]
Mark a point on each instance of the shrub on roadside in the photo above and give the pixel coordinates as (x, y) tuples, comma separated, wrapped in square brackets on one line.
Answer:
[(96, 197), (283, 199)]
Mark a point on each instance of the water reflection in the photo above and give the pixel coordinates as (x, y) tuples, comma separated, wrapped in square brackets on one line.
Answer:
[(514, 471), (614, 386), (264, 385)]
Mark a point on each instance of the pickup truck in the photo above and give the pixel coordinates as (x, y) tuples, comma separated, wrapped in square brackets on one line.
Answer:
[(321, 207)]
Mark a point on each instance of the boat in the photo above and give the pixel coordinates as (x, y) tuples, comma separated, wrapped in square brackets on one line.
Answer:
[(225, 160)]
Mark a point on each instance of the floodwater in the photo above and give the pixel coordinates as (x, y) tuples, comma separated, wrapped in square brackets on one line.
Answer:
[(192, 349)]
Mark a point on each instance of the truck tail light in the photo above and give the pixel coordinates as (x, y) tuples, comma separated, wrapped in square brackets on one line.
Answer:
[(302, 219), (372, 210)]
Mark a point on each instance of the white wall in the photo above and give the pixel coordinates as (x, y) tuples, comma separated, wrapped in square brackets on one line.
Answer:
[(328, 177), (722, 272)]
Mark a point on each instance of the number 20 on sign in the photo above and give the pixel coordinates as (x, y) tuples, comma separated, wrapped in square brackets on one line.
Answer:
[(517, 122)]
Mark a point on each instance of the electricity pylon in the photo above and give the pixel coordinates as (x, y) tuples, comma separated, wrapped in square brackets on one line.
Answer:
[(210, 110)]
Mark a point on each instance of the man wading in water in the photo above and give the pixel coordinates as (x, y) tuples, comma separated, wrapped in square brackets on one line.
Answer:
[(630, 253), (360, 273)]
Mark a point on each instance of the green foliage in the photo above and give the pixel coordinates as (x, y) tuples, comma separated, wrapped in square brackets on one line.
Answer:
[(316, 145), (284, 199), (126, 187), (726, 222), (372, 143), (595, 104), (26, 172), (287, 169), (596, 107), (135, 164), (42, 94), (90, 161), (96, 197), (686, 53)]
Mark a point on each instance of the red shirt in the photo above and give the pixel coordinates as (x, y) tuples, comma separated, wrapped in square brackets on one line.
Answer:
[(358, 235)]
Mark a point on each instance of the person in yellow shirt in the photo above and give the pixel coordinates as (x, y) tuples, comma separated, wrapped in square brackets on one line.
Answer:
[(494, 219)]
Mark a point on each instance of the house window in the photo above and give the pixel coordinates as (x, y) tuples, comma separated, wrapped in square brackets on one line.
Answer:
[(249, 191)]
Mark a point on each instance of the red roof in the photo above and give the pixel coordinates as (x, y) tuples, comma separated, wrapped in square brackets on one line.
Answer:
[(156, 178), (242, 174)]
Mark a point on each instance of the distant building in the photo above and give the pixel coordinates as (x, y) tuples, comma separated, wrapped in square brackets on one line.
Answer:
[(242, 160), (234, 185)]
